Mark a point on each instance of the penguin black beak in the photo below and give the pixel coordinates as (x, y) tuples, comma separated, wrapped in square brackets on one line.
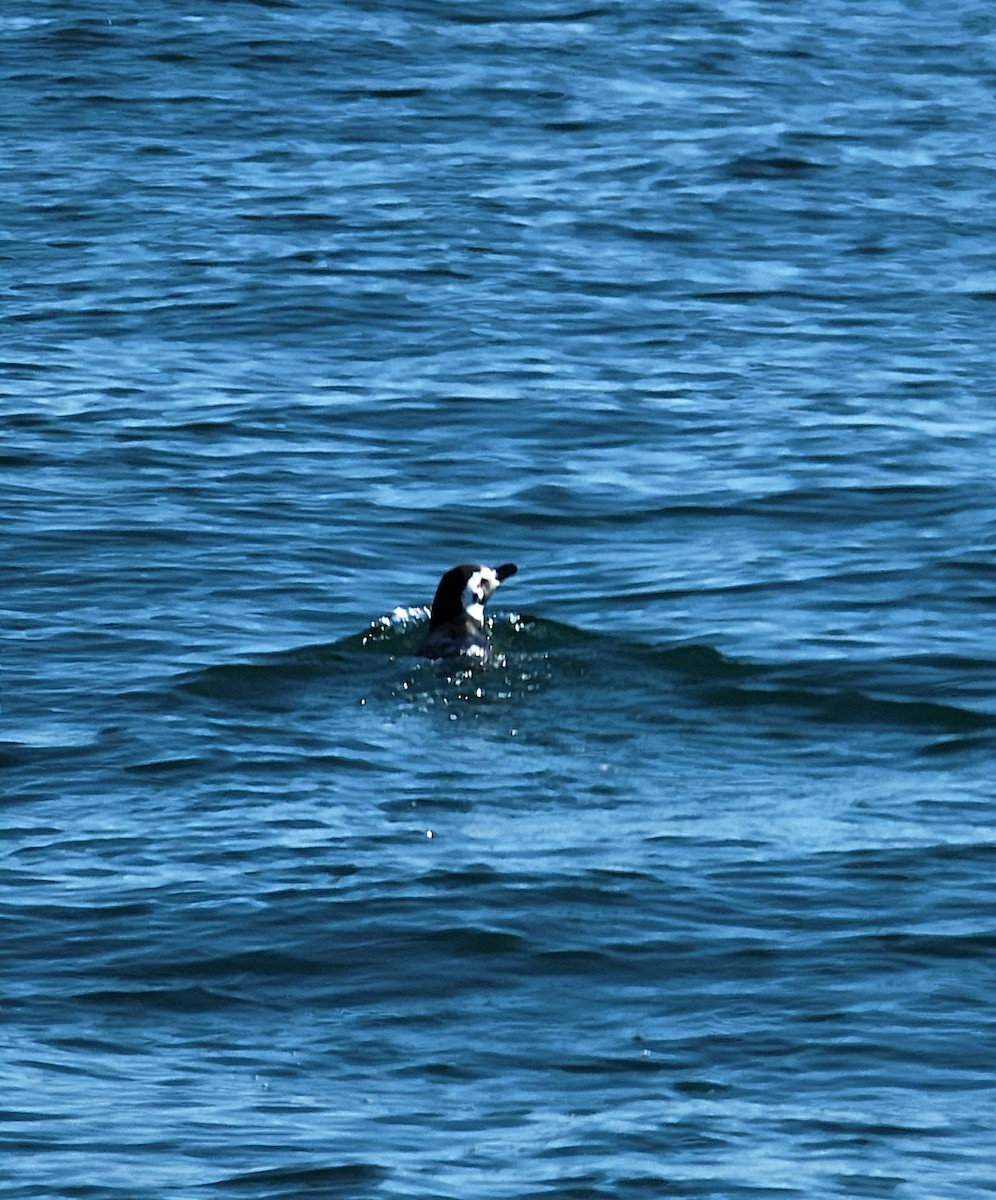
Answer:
[(505, 571)]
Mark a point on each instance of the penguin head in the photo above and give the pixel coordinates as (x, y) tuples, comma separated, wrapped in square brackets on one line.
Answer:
[(465, 590)]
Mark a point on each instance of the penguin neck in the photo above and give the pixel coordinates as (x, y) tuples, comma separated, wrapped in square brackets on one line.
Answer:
[(471, 617)]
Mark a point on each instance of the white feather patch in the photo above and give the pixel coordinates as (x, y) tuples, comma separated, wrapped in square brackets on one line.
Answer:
[(476, 591)]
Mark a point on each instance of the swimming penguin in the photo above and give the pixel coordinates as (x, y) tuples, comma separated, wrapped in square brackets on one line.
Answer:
[(456, 625)]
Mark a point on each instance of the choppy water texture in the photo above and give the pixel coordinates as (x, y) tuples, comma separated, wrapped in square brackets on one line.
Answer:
[(687, 309)]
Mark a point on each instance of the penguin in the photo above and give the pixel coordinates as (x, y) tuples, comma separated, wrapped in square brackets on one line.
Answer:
[(456, 625)]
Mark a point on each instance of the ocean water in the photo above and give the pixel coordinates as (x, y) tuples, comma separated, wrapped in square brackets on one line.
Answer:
[(687, 308)]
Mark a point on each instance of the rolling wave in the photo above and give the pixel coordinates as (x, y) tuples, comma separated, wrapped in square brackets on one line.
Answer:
[(570, 667)]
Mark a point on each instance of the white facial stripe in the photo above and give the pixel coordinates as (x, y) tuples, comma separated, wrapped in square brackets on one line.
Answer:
[(478, 588)]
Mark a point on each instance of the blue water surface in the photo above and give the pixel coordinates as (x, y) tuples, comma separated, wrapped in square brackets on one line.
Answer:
[(687, 309)]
